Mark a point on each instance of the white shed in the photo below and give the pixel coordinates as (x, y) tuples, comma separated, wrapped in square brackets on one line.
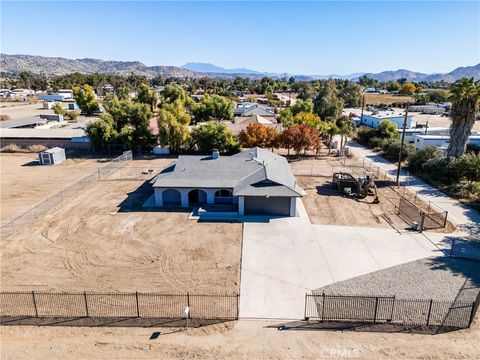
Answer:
[(52, 156)]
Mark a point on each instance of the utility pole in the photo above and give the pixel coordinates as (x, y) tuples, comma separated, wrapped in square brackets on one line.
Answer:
[(426, 128), (363, 105), (401, 145)]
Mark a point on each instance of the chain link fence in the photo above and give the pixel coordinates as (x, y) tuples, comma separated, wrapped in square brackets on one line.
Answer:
[(18, 222)]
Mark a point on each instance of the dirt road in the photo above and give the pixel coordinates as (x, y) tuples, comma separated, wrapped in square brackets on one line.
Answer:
[(234, 340)]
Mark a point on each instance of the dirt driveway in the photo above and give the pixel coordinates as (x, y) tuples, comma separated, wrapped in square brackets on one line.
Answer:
[(102, 240)]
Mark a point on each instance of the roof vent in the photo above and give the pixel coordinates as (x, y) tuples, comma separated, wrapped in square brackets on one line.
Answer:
[(215, 154)]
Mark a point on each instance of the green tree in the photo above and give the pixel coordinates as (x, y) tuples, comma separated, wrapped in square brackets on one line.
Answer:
[(213, 107), (173, 122), (148, 96), (101, 131), (172, 93), (393, 86), (58, 109), (123, 92), (387, 130), (331, 130), (214, 135), (465, 98), (351, 94), (327, 104), (286, 117), (302, 106), (85, 99)]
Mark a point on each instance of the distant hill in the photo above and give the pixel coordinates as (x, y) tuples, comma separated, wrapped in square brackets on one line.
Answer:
[(211, 68), (62, 66), (468, 71)]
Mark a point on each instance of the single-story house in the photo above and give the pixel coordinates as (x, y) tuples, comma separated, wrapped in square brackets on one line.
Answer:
[(375, 118), (252, 182), (241, 122), (249, 109)]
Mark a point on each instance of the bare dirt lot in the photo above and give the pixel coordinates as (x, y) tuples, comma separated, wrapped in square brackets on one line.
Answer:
[(23, 182), (375, 99), (103, 240), (234, 340), (327, 206)]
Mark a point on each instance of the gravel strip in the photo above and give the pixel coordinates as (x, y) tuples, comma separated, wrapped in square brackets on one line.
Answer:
[(438, 278)]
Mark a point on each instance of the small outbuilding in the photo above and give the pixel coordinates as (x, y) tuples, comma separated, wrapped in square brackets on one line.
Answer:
[(52, 156)]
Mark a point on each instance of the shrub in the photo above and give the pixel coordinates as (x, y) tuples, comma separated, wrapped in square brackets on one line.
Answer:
[(377, 143), (364, 134), (473, 148), (391, 150), (418, 159), (466, 167)]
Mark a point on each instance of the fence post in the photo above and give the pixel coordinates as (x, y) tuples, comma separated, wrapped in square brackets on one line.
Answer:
[(445, 219), (422, 221), (376, 307), (472, 312), (86, 304), (451, 248), (323, 305), (34, 304), (138, 308), (305, 311), (429, 312), (188, 299), (238, 306), (393, 308)]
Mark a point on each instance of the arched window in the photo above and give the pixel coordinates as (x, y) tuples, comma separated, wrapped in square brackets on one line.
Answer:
[(223, 193)]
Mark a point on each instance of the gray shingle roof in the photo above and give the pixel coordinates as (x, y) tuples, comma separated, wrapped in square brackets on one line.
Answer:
[(255, 172)]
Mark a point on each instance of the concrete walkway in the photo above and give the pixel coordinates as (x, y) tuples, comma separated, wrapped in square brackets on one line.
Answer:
[(459, 214), (286, 258)]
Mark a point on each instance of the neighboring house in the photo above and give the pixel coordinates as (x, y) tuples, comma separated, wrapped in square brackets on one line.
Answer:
[(22, 123), (249, 109), (241, 122), (54, 96), (428, 109), (67, 138), (253, 182), (440, 141), (375, 118)]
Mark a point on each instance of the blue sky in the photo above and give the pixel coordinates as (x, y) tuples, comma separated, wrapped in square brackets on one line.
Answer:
[(295, 37)]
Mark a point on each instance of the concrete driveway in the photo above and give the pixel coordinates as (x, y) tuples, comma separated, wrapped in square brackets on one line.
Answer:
[(284, 259)]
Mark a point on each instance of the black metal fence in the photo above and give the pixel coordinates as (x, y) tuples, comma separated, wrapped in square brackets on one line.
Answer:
[(386, 309), (145, 305), (429, 219)]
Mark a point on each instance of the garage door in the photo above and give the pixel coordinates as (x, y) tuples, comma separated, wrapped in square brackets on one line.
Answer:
[(260, 205)]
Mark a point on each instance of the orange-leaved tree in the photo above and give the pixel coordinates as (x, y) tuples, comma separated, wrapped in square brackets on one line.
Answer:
[(259, 135)]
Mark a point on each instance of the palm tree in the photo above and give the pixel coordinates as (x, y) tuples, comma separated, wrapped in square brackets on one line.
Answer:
[(332, 130), (465, 98), (345, 127)]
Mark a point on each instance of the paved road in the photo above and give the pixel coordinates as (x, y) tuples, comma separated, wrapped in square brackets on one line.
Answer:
[(284, 259)]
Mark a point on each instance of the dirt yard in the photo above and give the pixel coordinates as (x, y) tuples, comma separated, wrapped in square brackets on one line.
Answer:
[(327, 206), (23, 182), (103, 240), (234, 340)]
